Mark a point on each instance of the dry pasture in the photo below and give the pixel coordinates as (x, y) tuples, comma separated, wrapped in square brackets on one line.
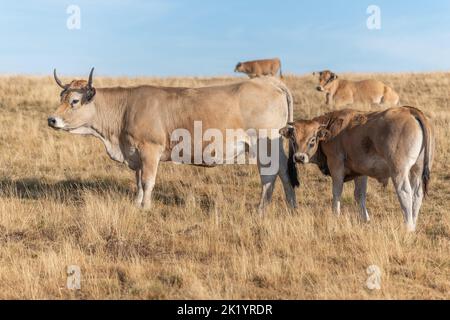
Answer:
[(64, 202)]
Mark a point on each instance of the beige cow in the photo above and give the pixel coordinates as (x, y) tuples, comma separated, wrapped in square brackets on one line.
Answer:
[(342, 93), (397, 143), (259, 68), (137, 125)]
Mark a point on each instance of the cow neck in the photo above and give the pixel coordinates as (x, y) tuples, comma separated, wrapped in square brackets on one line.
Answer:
[(110, 110), (332, 86), (320, 159)]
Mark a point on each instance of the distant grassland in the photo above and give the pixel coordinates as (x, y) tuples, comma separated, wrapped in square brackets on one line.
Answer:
[(63, 202)]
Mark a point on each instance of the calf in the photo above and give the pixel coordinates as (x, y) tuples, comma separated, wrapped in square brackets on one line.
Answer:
[(397, 143)]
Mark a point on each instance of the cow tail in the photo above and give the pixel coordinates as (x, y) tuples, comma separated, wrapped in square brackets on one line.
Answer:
[(428, 143), (291, 168)]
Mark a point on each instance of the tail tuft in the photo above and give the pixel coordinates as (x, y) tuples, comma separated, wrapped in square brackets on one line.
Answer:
[(292, 169), (426, 176)]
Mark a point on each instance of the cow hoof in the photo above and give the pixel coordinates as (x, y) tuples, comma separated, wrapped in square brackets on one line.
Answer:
[(261, 212), (410, 228), (292, 209), (365, 218), (337, 214), (138, 201), (144, 206)]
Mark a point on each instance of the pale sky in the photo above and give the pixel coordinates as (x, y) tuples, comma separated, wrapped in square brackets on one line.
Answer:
[(206, 38)]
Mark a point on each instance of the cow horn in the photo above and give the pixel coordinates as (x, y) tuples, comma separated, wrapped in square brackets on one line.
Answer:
[(90, 78), (57, 80)]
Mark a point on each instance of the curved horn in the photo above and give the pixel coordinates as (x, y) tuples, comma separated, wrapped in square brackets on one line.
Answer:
[(57, 80), (90, 78)]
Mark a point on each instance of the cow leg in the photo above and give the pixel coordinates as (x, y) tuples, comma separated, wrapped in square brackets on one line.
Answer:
[(405, 196), (268, 179), (329, 99), (140, 190), (337, 176), (289, 190), (417, 189), (150, 155), (338, 187), (360, 197), (268, 184)]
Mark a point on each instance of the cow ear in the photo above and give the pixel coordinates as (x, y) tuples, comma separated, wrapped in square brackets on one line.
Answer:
[(323, 134), (334, 76), (90, 94), (287, 131)]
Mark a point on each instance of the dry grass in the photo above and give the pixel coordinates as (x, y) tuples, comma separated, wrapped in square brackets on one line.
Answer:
[(62, 202)]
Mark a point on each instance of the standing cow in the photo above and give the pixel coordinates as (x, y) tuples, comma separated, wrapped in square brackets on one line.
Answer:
[(342, 93), (136, 124), (397, 143), (259, 68)]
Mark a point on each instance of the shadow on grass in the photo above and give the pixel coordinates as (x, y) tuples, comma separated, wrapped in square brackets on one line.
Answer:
[(65, 191), (73, 190)]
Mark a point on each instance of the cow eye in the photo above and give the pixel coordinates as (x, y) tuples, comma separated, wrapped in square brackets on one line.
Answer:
[(75, 102), (312, 142)]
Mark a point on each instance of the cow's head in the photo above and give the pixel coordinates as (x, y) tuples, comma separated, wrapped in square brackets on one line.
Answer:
[(239, 67), (305, 136), (76, 109), (325, 79)]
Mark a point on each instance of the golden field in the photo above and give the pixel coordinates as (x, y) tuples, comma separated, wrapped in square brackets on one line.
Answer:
[(64, 202)]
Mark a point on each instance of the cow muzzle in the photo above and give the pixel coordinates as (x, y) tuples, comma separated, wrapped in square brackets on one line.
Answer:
[(55, 122), (301, 158)]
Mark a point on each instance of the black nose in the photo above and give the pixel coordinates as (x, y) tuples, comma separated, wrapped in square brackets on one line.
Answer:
[(299, 158), (51, 121)]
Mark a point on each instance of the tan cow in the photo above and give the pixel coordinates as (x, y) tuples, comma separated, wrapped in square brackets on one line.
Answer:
[(259, 68), (397, 143), (342, 93), (137, 125)]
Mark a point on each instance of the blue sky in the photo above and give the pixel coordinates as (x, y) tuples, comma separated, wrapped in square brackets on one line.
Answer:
[(200, 37)]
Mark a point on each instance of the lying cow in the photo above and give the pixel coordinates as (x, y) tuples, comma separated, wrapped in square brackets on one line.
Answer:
[(136, 124), (397, 143), (342, 93), (259, 68)]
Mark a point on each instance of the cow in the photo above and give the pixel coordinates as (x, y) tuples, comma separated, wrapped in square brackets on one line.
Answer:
[(259, 68), (341, 93), (397, 144), (136, 124)]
